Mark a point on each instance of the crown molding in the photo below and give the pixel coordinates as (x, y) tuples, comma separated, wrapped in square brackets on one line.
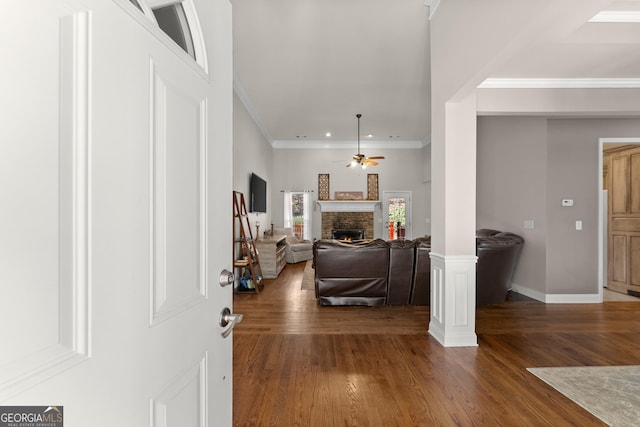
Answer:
[(617, 16), (244, 98), (334, 145), (495, 83)]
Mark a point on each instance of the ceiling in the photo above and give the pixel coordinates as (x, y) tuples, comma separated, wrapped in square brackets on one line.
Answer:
[(306, 67), (595, 50)]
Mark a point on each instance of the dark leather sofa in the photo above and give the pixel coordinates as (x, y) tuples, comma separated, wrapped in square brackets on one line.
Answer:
[(397, 272)]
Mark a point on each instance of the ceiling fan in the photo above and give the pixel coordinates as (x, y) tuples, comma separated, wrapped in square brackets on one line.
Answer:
[(360, 159)]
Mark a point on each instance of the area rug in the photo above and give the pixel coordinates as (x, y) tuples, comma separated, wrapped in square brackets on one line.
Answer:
[(308, 283), (611, 393)]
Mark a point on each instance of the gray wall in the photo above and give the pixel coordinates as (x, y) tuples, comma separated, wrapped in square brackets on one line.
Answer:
[(511, 187), (573, 173), (426, 177), (251, 153), (402, 170), (526, 166)]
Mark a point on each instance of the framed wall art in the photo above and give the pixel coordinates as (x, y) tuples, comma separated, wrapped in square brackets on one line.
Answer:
[(323, 186), (372, 186)]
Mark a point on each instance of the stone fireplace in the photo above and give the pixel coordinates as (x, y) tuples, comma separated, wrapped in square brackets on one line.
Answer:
[(347, 215)]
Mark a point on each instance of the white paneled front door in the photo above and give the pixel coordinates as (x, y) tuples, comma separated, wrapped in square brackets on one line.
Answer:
[(115, 179)]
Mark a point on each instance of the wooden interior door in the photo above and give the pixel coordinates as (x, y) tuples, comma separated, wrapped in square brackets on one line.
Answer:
[(622, 180)]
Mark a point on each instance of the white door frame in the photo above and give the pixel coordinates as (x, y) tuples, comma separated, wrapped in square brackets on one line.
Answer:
[(408, 196), (602, 211)]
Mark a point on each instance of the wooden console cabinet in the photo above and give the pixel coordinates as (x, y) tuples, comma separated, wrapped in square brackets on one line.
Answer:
[(272, 255)]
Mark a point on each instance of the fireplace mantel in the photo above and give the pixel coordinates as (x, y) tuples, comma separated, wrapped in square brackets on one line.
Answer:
[(348, 205)]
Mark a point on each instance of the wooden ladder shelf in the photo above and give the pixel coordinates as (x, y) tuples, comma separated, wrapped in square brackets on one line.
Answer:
[(246, 262)]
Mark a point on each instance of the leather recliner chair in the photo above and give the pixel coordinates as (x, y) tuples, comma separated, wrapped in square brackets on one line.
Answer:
[(421, 290), (351, 273), (498, 253), (401, 260)]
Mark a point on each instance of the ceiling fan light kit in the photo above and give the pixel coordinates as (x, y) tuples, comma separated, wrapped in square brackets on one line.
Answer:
[(361, 159)]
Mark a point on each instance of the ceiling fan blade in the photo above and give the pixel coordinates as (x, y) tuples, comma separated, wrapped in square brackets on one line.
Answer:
[(370, 162), (376, 157)]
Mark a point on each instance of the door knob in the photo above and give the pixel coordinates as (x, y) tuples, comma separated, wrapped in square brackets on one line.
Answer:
[(228, 319), (226, 278)]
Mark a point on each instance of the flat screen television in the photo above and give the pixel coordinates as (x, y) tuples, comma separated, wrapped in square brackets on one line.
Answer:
[(257, 194)]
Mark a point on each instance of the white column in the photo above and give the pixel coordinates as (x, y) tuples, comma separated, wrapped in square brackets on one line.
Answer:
[(453, 210), (453, 300)]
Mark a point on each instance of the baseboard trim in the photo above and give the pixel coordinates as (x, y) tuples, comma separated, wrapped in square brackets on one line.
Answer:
[(536, 295), (466, 340), (557, 298), (573, 299)]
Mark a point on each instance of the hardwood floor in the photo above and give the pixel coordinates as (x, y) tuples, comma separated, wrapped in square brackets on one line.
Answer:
[(299, 364)]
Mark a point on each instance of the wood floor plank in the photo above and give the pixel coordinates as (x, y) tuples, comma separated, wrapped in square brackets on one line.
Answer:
[(300, 364)]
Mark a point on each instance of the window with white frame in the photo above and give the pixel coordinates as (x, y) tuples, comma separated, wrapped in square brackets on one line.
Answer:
[(178, 20), (297, 213), (173, 21)]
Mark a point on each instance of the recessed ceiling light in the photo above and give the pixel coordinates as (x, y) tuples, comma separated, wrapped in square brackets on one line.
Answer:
[(370, 135), (328, 134)]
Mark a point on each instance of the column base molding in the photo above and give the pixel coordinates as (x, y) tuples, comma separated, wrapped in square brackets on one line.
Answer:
[(453, 300)]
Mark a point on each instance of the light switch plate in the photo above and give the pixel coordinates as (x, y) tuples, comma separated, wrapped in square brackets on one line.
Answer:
[(567, 202), (528, 224)]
